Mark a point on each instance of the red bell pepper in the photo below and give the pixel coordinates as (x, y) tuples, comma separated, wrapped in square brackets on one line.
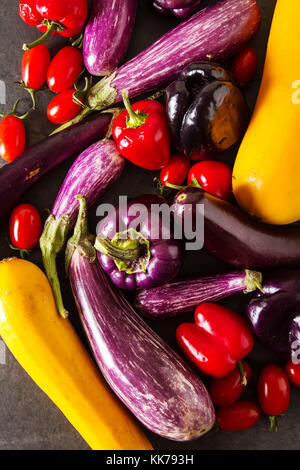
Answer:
[(64, 17), (142, 134), (217, 341)]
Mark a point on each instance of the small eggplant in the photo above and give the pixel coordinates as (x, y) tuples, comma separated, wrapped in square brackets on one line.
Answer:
[(185, 9), (207, 112), (138, 257)]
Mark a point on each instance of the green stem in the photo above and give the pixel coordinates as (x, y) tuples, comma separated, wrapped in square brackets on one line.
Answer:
[(242, 372), (135, 118), (52, 242), (108, 248), (51, 27), (253, 281), (22, 251)]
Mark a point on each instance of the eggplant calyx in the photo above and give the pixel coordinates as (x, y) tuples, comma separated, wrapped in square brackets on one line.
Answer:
[(81, 238), (253, 281), (134, 119), (52, 242), (51, 27), (130, 250)]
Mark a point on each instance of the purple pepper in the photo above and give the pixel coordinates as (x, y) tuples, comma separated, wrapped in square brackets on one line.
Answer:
[(95, 169), (142, 259), (275, 315)]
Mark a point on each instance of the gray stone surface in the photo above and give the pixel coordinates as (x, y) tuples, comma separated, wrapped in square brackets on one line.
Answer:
[(28, 419)]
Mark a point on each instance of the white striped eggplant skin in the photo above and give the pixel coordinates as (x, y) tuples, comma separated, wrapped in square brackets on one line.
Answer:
[(218, 31), (144, 372), (107, 34)]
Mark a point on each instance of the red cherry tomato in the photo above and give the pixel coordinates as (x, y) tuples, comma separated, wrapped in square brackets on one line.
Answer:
[(244, 66), (64, 69), (35, 64), (293, 372), (227, 390), (238, 416), (12, 138), (25, 227), (273, 392), (213, 176), (176, 171), (62, 108)]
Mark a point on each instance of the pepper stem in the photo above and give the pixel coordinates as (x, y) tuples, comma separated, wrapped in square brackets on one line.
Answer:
[(51, 27), (242, 372), (135, 118), (52, 242)]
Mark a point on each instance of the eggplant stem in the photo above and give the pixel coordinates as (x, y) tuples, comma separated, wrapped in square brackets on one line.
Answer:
[(80, 117), (51, 243), (242, 372), (253, 281)]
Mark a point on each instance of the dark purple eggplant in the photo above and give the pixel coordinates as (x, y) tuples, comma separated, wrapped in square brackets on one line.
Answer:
[(107, 34), (155, 384), (220, 31), (38, 160), (235, 237), (178, 297), (186, 8), (279, 280), (95, 169), (143, 257)]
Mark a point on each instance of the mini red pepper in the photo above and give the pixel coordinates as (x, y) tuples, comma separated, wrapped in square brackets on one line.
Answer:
[(142, 134), (217, 341), (65, 17)]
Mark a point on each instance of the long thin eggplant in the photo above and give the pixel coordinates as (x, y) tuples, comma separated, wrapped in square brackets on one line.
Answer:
[(218, 31), (95, 169), (178, 297), (157, 386), (38, 160), (238, 239), (107, 34)]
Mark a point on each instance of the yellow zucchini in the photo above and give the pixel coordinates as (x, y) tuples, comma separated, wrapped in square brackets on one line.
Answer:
[(50, 351), (266, 174)]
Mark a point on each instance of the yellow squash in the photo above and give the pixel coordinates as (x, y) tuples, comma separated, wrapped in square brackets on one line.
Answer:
[(50, 351), (266, 174)]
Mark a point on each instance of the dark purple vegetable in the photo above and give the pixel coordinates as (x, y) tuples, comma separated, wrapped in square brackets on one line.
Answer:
[(38, 160), (97, 168), (107, 34), (187, 11), (207, 113), (275, 320), (138, 257), (155, 384), (186, 8), (178, 297), (278, 280), (236, 238), (218, 31)]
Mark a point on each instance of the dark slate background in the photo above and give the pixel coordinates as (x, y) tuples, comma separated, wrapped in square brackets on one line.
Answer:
[(28, 419)]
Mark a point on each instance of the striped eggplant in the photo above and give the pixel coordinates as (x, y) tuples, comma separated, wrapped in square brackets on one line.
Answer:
[(157, 386), (107, 34), (178, 297), (218, 31), (38, 160), (97, 168)]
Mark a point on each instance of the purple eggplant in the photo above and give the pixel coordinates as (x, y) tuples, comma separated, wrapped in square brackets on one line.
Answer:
[(207, 113), (96, 169), (107, 34), (178, 297), (219, 31), (187, 11), (235, 237), (186, 8), (138, 257), (38, 160), (157, 386)]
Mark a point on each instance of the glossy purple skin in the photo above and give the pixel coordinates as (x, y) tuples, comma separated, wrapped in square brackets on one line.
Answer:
[(107, 34), (278, 280), (166, 254), (187, 10), (94, 170), (238, 239), (179, 297), (155, 384), (275, 320), (172, 4), (38, 160), (220, 30)]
